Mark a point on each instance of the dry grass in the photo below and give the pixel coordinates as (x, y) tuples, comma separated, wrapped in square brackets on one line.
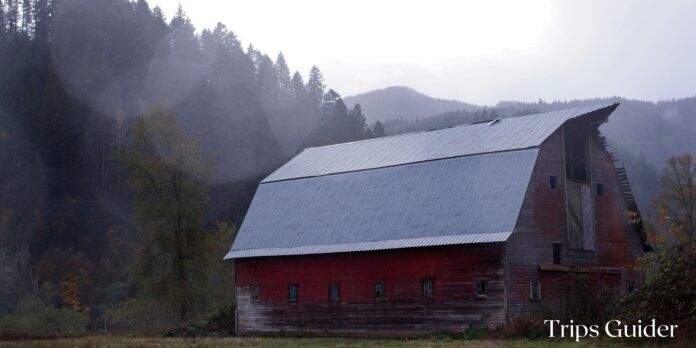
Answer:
[(134, 342)]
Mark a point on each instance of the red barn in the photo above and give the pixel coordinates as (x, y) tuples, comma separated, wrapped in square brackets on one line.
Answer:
[(437, 230)]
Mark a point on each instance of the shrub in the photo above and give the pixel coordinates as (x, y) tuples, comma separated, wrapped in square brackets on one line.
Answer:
[(528, 326), (140, 317), (220, 323), (34, 318), (587, 298), (669, 292)]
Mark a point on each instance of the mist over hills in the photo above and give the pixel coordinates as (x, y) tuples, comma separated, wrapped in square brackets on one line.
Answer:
[(400, 102), (641, 134)]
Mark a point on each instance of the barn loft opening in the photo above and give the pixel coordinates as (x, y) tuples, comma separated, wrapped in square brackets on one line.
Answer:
[(576, 154), (579, 197)]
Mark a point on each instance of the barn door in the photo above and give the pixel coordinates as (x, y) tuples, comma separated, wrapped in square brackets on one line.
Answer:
[(588, 223), (581, 225), (574, 216)]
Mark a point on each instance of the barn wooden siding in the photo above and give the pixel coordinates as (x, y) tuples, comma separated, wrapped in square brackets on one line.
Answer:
[(403, 311), (542, 222)]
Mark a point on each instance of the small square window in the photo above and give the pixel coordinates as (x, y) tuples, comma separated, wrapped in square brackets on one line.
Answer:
[(293, 292), (334, 292), (600, 189), (379, 289), (255, 293), (428, 288), (480, 286), (535, 290), (552, 182), (630, 286)]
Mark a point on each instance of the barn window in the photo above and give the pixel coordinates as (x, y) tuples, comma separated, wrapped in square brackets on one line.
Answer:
[(293, 292), (334, 292), (255, 293), (552, 182), (535, 290), (428, 288), (379, 289), (600, 189), (480, 287), (576, 156), (557, 253)]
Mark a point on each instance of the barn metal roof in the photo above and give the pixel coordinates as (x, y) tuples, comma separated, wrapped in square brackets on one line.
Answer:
[(470, 199), (508, 134), (459, 185)]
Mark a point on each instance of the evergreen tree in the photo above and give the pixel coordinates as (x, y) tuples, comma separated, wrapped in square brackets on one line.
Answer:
[(27, 16), (283, 78), (184, 41), (43, 10), (12, 17), (355, 126), (266, 80), (315, 86), (378, 130), (2, 19), (328, 104), (298, 90)]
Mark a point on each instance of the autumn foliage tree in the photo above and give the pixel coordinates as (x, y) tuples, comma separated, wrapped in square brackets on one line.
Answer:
[(668, 293), (676, 203), (168, 181)]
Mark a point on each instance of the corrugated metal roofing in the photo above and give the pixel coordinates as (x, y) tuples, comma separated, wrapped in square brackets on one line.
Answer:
[(470, 199), (508, 134)]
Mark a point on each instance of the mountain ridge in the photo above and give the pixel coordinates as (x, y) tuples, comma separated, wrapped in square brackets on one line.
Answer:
[(402, 102)]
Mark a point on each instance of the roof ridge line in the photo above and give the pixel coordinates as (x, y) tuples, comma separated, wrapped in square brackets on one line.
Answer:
[(400, 164), (439, 129)]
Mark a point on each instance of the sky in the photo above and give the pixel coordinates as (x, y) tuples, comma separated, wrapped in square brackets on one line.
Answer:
[(479, 52)]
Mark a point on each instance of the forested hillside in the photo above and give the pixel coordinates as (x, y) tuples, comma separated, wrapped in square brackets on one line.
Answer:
[(641, 134), (74, 74)]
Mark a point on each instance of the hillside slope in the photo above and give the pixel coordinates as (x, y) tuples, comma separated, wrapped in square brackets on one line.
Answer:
[(398, 102)]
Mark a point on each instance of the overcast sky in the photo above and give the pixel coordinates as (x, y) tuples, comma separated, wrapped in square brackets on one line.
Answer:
[(475, 51)]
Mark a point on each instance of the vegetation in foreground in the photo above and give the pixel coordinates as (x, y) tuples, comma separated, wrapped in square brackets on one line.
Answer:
[(313, 342)]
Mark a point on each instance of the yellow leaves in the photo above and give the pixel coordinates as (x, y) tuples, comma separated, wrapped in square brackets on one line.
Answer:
[(71, 286)]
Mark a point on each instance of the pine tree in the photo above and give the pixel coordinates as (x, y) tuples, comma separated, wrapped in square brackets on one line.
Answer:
[(185, 46), (328, 104), (315, 86), (12, 17), (27, 16), (43, 10), (266, 80), (2, 19), (378, 130), (283, 75), (355, 124), (297, 89)]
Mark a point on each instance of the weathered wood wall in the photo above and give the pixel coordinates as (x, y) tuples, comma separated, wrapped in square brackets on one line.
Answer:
[(403, 311), (542, 222)]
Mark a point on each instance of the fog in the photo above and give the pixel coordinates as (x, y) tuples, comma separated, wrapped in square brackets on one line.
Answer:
[(476, 51), (119, 120)]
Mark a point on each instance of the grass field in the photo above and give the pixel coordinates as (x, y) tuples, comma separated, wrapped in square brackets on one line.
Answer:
[(115, 342)]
